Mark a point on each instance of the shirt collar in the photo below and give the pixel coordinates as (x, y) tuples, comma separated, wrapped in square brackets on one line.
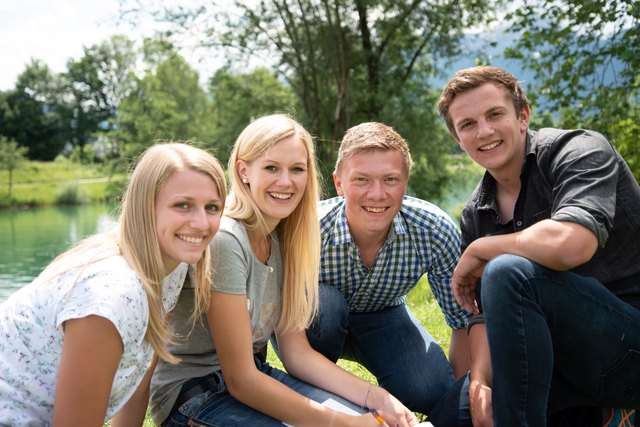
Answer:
[(486, 198)]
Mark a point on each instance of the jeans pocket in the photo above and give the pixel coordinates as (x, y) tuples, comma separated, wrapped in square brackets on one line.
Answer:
[(190, 413), (620, 384)]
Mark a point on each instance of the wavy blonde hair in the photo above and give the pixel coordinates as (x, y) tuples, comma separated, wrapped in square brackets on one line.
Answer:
[(299, 233), (136, 238)]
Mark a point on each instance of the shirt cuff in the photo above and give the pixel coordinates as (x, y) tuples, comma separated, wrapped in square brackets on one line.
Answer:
[(476, 319), (580, 216)]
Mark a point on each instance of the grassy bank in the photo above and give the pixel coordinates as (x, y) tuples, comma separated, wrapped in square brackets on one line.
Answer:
[(58, 183)]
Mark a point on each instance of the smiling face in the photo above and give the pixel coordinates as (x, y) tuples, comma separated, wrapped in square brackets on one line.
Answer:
[(278, 179), (373, 183), (187, 211), (489, 129)]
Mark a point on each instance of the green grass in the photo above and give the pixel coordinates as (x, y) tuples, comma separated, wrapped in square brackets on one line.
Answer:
[(424, 307), (52, 183)]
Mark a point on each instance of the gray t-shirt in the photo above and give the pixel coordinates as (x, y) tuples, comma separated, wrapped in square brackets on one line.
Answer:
[(236, 271)]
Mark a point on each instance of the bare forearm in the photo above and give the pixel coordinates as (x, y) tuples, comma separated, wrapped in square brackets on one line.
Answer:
[(480, 355), (553, 244), (480, 392), (313, 368), (459, 352)]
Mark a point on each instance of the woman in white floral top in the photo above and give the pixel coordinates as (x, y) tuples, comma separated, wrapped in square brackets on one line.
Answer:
[(76, 343)]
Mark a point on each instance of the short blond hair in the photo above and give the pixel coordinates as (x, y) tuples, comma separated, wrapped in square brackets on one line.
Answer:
[(372, 136)]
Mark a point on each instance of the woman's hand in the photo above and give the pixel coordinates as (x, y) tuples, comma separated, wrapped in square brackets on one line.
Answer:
[(391, 409), (370, 420)]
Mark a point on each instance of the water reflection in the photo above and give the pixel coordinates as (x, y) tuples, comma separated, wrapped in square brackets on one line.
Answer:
[(30, 239)]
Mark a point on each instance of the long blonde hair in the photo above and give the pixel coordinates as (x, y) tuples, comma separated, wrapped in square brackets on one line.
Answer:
[(136, 237), (138, 240), (299, 233)]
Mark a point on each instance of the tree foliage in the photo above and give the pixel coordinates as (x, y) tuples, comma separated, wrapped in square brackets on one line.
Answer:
[(30, 113), (96, 84), (586, 55), (239, 98), (347, 61), (167, 103), (582, 51)]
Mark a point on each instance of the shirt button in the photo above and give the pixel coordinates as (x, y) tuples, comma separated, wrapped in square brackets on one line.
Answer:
[(519, 223)]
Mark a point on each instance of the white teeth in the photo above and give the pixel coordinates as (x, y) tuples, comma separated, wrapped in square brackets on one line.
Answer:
[(490, 146), (281, 196), (375, 210), (191, 239)]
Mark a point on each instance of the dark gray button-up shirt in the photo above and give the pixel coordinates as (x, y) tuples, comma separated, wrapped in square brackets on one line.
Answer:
[(576, 176)]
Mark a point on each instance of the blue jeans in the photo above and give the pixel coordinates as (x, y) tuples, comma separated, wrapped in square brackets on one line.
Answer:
[(557, 340), (391, 344), (560, 343), (217, 408)]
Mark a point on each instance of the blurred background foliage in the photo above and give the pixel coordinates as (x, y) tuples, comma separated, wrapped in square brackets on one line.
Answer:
[(331, 64)]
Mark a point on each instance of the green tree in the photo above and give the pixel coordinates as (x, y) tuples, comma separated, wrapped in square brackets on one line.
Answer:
[(30, 113), (347, 61), (583, 52), (586, 56), (97, 84), (168, 103), (12, 156), (239, 98), (626, 134)]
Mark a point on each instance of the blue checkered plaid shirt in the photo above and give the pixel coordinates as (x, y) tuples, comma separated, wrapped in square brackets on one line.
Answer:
[(423, 239)]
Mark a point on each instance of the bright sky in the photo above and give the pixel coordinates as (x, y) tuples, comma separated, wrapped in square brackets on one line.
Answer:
[(54, 31)]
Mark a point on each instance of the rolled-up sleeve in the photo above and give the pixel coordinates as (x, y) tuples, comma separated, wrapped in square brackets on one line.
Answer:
[(584, 171)]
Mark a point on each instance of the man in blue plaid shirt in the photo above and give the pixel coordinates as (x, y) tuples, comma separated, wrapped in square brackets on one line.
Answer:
[(376, 244)]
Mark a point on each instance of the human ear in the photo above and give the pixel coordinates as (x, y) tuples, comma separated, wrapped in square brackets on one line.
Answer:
[(338, 184), (525, 115), (242, 170)]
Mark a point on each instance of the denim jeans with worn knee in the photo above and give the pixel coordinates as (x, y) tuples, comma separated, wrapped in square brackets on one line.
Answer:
[(217, 408), (390, 343), (557, 340)]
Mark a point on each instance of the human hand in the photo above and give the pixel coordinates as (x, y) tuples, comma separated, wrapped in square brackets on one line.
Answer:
[(465, 276), (395, 413), (480, 400)]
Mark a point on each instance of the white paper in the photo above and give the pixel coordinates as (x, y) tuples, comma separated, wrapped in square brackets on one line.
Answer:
[(336, 406)]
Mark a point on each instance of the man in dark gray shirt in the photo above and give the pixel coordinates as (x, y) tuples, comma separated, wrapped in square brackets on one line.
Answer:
[(552, 232)]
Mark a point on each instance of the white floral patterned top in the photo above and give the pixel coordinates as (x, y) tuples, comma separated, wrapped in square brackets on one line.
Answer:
[(31, 335)]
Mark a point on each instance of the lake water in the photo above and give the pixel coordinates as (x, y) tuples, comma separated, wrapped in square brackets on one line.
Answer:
[(30, 239)]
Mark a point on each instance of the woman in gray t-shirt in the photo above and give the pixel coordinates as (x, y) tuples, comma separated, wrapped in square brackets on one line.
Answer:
[(265, 259)]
